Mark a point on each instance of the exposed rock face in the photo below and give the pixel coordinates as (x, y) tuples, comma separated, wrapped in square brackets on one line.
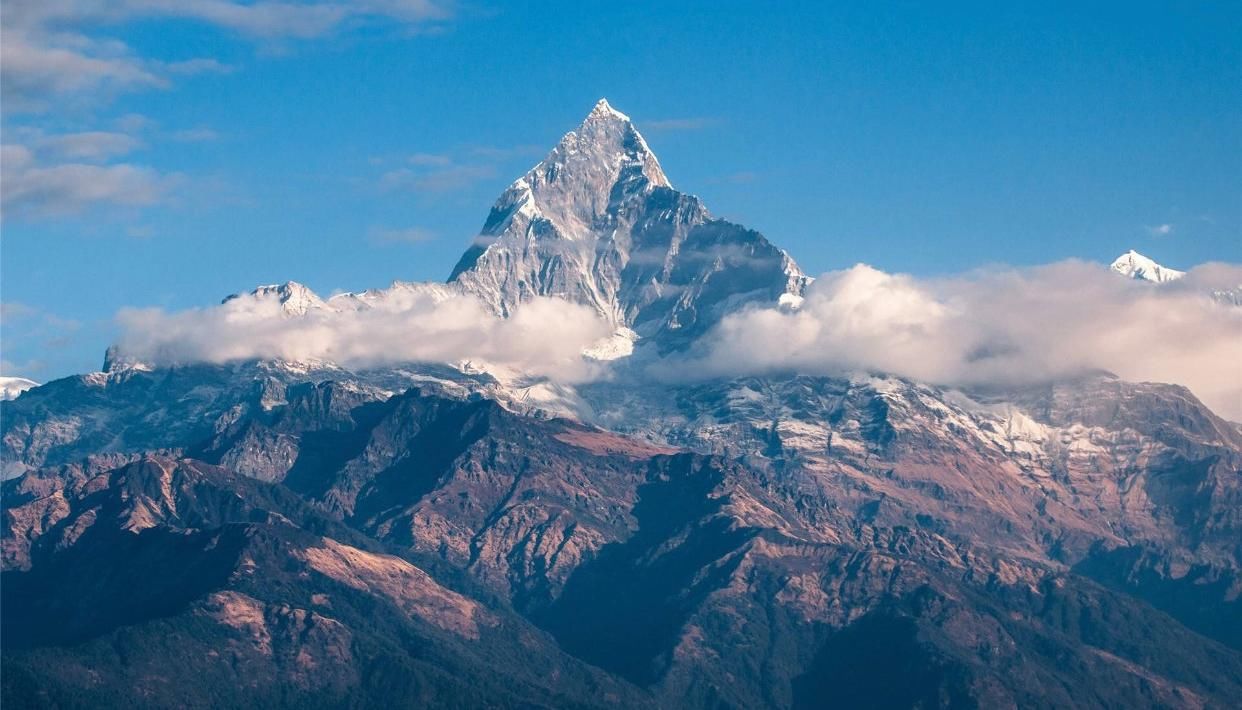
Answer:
[(948, 537), (231, 592), (597, 222)]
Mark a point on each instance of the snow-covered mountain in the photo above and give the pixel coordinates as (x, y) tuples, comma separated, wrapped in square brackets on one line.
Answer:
[(1136, 266), (599, 223), (595, 223), (1141, 268), (11, 387), (297, 299)]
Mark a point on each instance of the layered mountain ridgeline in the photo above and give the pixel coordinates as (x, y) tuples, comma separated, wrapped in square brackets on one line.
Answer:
[(297, 533), (684, 578), (172, 583)]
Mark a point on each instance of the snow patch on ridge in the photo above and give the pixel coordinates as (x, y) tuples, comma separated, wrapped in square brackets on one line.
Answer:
[(12, 387), (1136, 266)]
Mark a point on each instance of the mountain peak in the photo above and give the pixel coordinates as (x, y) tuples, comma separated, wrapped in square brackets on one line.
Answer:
[(574, 189), (603, 109), (1136, 266), (608, 139), (295, 299), (598, 223)]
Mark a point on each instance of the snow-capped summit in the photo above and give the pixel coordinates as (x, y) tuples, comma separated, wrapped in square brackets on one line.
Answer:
[(1136, 266), (12, 387), (599, 223), (295, 299), (603, 109)]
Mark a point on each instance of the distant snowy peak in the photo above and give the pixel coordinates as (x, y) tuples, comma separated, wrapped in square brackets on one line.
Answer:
[(1136, 266), (296, 299), (11, 387)]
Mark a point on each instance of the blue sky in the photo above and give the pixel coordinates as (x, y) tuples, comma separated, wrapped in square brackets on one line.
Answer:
[(168, 157)]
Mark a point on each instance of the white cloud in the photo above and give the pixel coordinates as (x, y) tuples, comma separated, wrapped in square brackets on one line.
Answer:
[(89, 145), (545, 337), (409, 235), (296, 20), (995, 327), (35, 71), (30, 188), (1160, 230), (57, 50), (15, 310)]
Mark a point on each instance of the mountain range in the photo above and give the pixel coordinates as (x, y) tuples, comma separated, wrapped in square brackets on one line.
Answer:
[(305, 533)]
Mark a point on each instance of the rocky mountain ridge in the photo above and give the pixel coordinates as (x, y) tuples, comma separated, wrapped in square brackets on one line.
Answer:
[(664, 568)]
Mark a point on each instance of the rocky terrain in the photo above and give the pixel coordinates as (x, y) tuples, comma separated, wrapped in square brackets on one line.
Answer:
[(301, 534)]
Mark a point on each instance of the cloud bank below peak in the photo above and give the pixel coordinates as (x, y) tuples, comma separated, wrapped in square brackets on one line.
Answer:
[(545, 338), (994, 327)]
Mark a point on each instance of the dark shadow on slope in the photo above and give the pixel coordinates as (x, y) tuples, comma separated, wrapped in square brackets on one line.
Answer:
[(878, 662), (625, 609), (115, 578), (323, 453), (1199, 599), (430, 453)]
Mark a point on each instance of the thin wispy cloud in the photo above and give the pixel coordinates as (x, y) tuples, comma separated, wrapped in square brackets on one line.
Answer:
[(454, 170), (54, 50), (665, 125), (134, 123), (383, 236), (443, 178), (32, 189), (15, 310), (426, 159), (28, 329), (1160, 230), (742, 177), (25, 368), (60, 56), (194, 135), (89, 145), (501, 153)]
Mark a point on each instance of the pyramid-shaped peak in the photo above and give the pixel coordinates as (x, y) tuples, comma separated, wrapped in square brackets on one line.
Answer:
[(574, 184), (604, 110)]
